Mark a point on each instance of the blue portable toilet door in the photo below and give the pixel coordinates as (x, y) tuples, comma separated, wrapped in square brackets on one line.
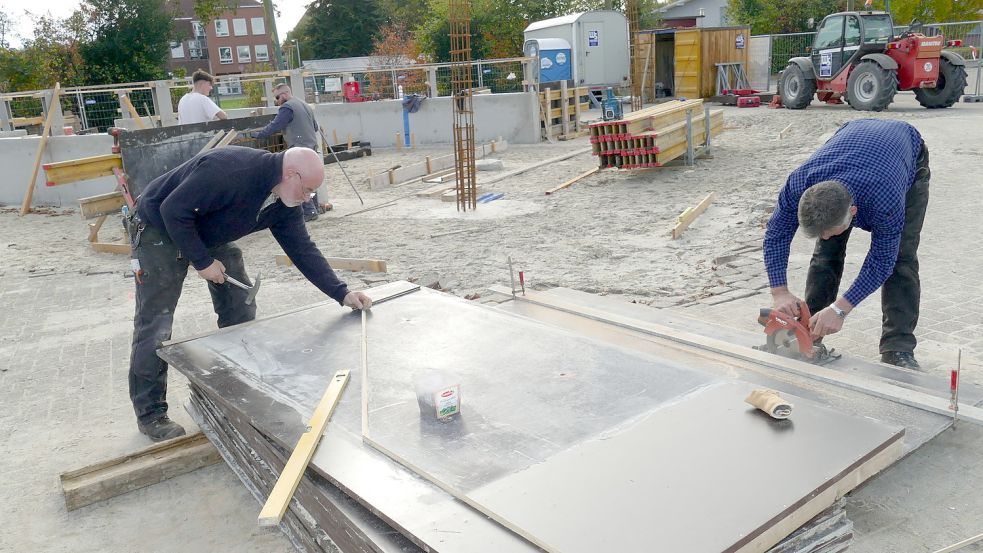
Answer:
[(554, 65)]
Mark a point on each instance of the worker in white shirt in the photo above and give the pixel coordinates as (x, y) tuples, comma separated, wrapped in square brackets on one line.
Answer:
[(196, 106)]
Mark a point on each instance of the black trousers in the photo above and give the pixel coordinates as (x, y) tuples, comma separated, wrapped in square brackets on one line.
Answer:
[(901, 293), (157, 294)]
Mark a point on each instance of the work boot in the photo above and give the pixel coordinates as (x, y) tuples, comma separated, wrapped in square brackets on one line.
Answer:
[(904, 359), (161, 429)]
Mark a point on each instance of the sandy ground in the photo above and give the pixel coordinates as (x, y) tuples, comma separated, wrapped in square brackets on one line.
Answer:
[(607, 234)]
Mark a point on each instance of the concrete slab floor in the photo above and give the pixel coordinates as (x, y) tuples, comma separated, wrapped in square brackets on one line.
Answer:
[(67, 316)]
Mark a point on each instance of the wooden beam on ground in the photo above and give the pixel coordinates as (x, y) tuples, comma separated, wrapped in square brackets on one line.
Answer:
[(144, 468), (962, 544), (691, 214), (103, 204), (573, 180), (411, 173), (293, 471), (73, 170), (105, 247), (343, 263), (537, 165), (45, 132)]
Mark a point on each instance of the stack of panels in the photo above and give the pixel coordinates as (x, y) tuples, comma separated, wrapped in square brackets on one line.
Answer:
[(529, 455), (653, 136)]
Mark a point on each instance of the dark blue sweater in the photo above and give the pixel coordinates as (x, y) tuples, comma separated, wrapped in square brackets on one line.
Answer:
[(216, 197)]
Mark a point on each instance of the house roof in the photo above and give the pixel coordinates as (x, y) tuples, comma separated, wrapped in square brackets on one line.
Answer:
[(358, 64), (553, 22), (672, 5)]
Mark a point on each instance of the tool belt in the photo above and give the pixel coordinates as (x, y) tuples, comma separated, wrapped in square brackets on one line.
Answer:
[(134, 227)]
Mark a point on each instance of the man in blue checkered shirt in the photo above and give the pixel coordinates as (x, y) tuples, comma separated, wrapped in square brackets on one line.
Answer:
[(872, 174)]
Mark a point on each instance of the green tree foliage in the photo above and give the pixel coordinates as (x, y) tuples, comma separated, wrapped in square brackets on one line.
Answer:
[(933, 11), (207, 10), (338, 28), (497, 26), (790, 16), (128, 40), (51, 55), (6, 29)]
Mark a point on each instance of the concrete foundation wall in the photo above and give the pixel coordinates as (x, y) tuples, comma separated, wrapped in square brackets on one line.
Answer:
[(17, 161), (514, 117)]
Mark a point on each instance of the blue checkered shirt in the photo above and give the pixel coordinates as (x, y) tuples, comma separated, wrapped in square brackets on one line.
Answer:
[(876, 160)]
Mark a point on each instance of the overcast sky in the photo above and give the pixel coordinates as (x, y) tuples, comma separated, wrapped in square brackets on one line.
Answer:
[(290, 13)]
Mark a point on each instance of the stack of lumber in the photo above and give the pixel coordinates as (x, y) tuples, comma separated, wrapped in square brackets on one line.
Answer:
[(653, 136)]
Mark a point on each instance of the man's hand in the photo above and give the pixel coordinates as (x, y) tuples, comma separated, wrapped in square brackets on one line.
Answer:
[(358, 300), (214, 272), (824, 323), (785, 301)]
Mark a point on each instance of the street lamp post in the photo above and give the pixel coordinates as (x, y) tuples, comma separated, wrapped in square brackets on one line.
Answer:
[(297, 47)]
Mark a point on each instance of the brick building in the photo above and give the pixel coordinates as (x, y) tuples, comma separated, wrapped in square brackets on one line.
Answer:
[(236, 41)]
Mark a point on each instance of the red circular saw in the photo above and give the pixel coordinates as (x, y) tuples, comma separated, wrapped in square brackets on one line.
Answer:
[(789, 336)]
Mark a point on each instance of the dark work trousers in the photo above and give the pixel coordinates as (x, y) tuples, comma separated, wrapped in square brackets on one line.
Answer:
[(157, 295), (901, 293)]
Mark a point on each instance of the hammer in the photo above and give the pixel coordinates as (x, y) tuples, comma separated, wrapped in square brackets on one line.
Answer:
[(250, 289)]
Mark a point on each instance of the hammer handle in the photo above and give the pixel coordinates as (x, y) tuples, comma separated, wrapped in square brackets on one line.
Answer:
[(237, 283)]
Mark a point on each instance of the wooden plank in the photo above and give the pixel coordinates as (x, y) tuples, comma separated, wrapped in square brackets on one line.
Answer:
[(435, 191), (73, 170), (573, 180), (550, 161), (876, 388), (412, 173), (690, 215), (103, 204), (212, 142), (117, 248), (144, 468), (125, 98), (451, 195), (343, 263), (229, 137), (45, 133), (286, 484), (962, 544)]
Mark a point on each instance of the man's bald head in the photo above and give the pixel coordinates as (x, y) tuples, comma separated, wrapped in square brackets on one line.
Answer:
[(303, 174)]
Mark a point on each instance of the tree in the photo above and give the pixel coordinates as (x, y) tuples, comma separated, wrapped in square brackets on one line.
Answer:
[(128, 40), (338, 28), (933, 11), (395, 47), (6, 29), (781, 16)]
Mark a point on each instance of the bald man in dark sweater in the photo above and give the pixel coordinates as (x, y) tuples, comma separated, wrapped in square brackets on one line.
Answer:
[(192, 215)]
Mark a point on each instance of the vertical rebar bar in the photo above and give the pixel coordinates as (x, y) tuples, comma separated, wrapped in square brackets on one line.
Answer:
[(461, 93)]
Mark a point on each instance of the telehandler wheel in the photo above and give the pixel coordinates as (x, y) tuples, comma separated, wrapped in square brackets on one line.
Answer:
[(948, 89), (871, 87), (796, 87)]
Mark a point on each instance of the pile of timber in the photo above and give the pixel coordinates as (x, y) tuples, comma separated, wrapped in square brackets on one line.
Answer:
[(653, 136)]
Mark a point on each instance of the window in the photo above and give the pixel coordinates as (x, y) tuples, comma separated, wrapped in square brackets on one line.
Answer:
[(177, 50), (852, 35), (221, 27), (242, 52), (262, 52), (877, 28), (225, 54), (239, 27), (197, 49), (259, 27), (199, 29), (829, 33)]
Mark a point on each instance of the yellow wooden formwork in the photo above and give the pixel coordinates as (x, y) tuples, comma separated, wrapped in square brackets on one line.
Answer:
[(688, 63)]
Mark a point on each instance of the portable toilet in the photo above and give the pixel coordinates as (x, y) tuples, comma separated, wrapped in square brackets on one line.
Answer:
[(552, 57), (598, 45)]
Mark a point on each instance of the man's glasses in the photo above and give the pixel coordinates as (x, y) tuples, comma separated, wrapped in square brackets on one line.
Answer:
[(308, 192)]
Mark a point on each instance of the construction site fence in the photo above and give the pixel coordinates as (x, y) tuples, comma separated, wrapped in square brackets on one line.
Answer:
[(95, 108), (770, 54)]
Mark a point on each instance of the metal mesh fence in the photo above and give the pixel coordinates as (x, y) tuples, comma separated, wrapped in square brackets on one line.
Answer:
[(787, 46)]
